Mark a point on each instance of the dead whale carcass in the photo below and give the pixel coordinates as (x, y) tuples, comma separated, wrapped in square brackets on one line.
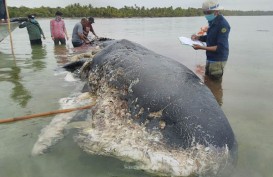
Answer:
[(155, 112)]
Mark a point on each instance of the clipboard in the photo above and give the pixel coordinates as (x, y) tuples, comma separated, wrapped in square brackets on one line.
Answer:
[(188, 41)]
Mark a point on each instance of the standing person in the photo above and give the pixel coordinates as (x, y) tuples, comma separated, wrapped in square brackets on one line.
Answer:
[(34, 30), (88, 27), (217, 49), (3, 13), (78, 38), (58, 30)]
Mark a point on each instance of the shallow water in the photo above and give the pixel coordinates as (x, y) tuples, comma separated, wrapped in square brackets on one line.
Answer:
[(35, 84)]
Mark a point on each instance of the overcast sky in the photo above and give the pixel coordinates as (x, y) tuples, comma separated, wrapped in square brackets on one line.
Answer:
[(227, 4)]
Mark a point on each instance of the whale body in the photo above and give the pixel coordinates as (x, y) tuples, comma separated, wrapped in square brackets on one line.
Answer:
[(154, 113), (163, 97)]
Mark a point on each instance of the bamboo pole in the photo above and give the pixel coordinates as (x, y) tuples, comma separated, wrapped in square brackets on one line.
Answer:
[(8, 120), (10, 35)]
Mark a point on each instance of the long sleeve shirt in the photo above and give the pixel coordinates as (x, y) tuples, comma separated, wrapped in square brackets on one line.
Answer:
[(217, 35), (33, 28)]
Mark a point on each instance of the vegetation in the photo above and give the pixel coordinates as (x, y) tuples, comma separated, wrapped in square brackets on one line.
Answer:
[(77, 10)]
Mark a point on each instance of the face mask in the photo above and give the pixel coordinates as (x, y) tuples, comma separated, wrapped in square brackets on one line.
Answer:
[(58, 18), (210, 17), (33, 20)]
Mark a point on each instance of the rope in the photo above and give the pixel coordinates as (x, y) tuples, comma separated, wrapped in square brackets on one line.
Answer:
[(10, 36), (8, 120)]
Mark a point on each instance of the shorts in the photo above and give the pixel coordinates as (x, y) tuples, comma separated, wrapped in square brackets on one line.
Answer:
[(77, 44), (215, 70), (59, 40), (36, 42)]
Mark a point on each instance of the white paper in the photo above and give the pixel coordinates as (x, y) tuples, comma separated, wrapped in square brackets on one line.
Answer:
[(188, 41)]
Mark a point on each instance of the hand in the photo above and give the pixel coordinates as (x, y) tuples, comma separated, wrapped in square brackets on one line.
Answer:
[(87, 42), (196, 46), (194, 37), (96, 37)]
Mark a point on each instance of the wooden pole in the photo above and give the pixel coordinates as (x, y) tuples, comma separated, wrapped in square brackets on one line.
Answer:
[(10, 35), (8, 120)]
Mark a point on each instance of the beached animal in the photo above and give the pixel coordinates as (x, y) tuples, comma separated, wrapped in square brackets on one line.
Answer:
[(155, 112)]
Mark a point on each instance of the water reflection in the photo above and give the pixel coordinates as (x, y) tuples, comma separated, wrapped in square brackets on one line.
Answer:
[(19, 93), (38, 55), (214, 85), (216, 88), (61, 54)]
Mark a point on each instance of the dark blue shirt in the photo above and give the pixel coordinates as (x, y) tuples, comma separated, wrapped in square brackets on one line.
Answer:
[(217, 35)]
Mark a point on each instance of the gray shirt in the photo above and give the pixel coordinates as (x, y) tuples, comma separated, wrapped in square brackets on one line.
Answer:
[(77, 29)]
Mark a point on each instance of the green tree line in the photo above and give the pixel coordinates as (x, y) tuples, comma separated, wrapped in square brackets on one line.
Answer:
[(77, 10)]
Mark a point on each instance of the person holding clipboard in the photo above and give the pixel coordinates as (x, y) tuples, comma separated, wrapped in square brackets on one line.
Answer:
[(217, 46)]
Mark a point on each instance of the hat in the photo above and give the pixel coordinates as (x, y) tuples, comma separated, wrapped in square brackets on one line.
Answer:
[(91, 19), (32, 16), (58, 13), (211, 5)]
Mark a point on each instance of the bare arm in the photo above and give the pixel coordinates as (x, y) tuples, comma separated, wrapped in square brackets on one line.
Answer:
[(65, 32), (92, 30), (51, 29), (211, 48)]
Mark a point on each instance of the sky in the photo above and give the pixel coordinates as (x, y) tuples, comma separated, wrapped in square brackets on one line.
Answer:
[(226, 4)]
